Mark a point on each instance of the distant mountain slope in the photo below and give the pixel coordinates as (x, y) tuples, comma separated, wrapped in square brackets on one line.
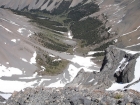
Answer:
[(48, 5)]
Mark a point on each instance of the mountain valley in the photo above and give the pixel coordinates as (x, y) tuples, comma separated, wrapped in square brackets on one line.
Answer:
[(69, 46)]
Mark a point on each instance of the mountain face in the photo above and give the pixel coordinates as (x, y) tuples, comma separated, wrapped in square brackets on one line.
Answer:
[(82, 46), (119, 71), (48, 5)]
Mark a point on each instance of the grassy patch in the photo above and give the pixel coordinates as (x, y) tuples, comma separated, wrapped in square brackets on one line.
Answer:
[(51, 42), (104, 46), (118, 96), (53, 65)]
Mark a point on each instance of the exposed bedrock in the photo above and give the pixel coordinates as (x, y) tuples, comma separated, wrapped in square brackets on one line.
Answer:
[(118, 66)]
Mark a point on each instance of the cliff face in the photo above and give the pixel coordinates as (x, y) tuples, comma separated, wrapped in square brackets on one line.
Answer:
[(119, 67)]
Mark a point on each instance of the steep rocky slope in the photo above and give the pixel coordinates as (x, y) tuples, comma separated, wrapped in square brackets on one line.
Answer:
[(48, 5), (120, 70), (73, 96)]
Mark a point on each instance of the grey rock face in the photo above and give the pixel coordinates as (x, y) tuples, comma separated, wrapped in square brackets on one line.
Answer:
[(118, 66), (2, 99), (73, 96)]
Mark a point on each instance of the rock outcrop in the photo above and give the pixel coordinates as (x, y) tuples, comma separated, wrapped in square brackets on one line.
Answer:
[(118, 66), (73, 96), (2, 99)]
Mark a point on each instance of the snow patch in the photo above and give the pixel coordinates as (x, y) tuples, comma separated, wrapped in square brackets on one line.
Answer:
[(30, 33), (8, 72), (116, 40), (13, 23), (7, 63), (91, 80), (69, 35), (56, 60), (119, 21), (23, 59), (131, 31), (119, 67), (51, 55), (94, 52), (6, 29), (11, 86), (33, 59), (133, 45), (109, 30), (20, 30), (6, 96), (14, 40)]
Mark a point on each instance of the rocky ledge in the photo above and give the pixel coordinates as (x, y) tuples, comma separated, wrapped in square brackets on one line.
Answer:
[(73, 96)]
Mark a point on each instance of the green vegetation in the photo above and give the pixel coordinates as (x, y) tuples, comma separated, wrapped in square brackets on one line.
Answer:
[(98, 54), (44, 22), (52, 42), (52, 65), (83, 10), (104, 46), (64, 6), (118, 96), (89, 31)]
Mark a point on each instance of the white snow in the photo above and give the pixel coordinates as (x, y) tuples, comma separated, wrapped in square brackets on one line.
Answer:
[(20, 30), (94, 52), (95, 83), (133, 45), (51, 55), (30, 33), (123, 60), (7, 63), (33, 59), (18, 39), (82, 61), (43, 68), (135, 87), (6, 96), (131, 31), (116, 40), (91, 80), (13, 23), (116, 86), (56, 60), (42, 80), (129, 51), (132, 1), (109, 30), (69, 35), (138, 37), (11, 86), (14, 40), (23, 59), (4, 71), (119, 21), (6, 29)]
